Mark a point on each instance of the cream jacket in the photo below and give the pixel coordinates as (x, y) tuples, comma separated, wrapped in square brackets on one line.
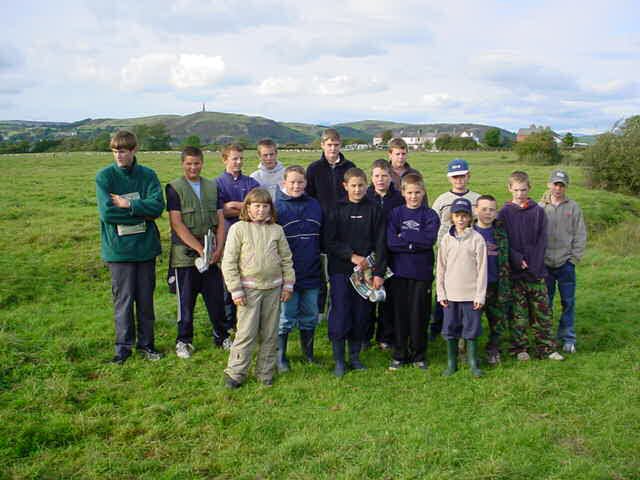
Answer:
[(257, 255), (461, 271)]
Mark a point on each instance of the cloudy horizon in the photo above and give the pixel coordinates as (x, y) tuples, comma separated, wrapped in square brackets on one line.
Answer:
[(570, 65)]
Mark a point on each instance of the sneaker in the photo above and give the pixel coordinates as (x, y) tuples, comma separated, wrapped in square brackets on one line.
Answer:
[(150, 354), (120, 358), (395, 365), (384, 346), (226, 343), (230, 383), (493, 358), (569, 348), (184, 350), (555, 356), (523, 357), (421, 365), (267, 382)]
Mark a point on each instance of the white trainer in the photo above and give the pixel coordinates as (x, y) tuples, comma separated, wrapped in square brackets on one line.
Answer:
[(184, 350), (569, 348), (555, 356), (523, 357)]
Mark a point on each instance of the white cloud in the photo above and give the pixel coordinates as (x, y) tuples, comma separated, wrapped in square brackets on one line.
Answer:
[(341, 85), (440, 100), (279, 86), (164, 71), (195, 70)]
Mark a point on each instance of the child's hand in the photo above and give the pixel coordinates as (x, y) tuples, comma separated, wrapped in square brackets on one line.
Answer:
[(524, 265), (444, 303), (377, 282), (240, 301), (477, 305), (285, 296), (217, 255)]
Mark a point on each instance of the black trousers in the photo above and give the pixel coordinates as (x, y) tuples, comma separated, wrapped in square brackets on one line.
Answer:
[(412, 305), (132, 286), (189, 283), (381, 322)]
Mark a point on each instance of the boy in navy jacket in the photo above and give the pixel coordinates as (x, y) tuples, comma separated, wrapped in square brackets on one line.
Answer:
[(354, 230), (412, 230), (383, 192), (301, 219)]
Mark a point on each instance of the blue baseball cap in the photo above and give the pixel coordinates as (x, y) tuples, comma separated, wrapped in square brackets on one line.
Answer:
[(457, 166), (461, 205)]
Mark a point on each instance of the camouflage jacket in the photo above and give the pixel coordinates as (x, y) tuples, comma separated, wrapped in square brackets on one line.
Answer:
[(504, 269)]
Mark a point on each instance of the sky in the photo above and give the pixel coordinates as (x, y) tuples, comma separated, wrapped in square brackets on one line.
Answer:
[(571, 65)]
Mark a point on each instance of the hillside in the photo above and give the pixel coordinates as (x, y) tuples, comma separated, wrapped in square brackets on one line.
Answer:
[(223, 127)]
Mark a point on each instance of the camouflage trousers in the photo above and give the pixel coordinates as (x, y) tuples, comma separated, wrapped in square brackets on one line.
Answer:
[(531, 310), (496, 317)]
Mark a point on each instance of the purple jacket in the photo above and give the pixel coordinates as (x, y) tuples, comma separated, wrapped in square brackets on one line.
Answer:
[(411, 234), (527, 231), (233, 190)]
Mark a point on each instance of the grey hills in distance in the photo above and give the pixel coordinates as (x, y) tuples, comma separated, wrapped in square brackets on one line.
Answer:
[(218, 127)]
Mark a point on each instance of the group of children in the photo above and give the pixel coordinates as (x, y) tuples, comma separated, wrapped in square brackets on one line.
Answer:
[(281, 221)]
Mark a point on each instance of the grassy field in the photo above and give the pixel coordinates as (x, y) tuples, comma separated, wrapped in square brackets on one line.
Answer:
[(67, 413)]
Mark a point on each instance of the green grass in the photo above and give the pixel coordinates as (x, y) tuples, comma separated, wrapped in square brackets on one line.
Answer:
[(66, 413)]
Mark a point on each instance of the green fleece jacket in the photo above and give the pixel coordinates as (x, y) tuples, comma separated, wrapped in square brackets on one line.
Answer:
[(142, 184)]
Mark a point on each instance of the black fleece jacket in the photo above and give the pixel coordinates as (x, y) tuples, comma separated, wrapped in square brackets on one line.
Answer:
[(355, 228)]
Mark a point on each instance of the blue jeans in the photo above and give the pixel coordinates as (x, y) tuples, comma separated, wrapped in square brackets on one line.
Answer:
[(300, 311), (565, 277)]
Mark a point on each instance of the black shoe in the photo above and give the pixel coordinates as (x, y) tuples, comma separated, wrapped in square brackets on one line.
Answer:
[(120, 358), (230, 383), (150, 354), (268, 382)]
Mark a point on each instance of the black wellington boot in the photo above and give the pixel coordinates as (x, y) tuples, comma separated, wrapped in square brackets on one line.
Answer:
[(282, 363), (306, 344), (338, 356), (354, 356)]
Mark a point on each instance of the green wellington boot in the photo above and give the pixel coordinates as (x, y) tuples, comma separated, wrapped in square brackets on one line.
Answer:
[(472, 358), (452, 358)]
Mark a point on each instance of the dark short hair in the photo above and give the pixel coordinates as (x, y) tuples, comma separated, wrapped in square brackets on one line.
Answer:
[(191, 152), (355, 172), (123, 139), (381, 163), (488, 197)]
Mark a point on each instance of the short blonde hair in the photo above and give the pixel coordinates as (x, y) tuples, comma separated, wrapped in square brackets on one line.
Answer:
[(123, 139), (519, 177), (397, 143), (330, 134), (257, 195), (232, 147)]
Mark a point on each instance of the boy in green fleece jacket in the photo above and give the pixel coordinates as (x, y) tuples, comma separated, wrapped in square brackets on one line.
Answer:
[(129, 199)]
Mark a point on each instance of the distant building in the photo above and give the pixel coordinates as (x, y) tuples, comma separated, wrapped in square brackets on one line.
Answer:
[(414, 139), (525, 132)]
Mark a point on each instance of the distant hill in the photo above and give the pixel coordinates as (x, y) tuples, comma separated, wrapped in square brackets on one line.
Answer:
[(374, 127), (223, 127)]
